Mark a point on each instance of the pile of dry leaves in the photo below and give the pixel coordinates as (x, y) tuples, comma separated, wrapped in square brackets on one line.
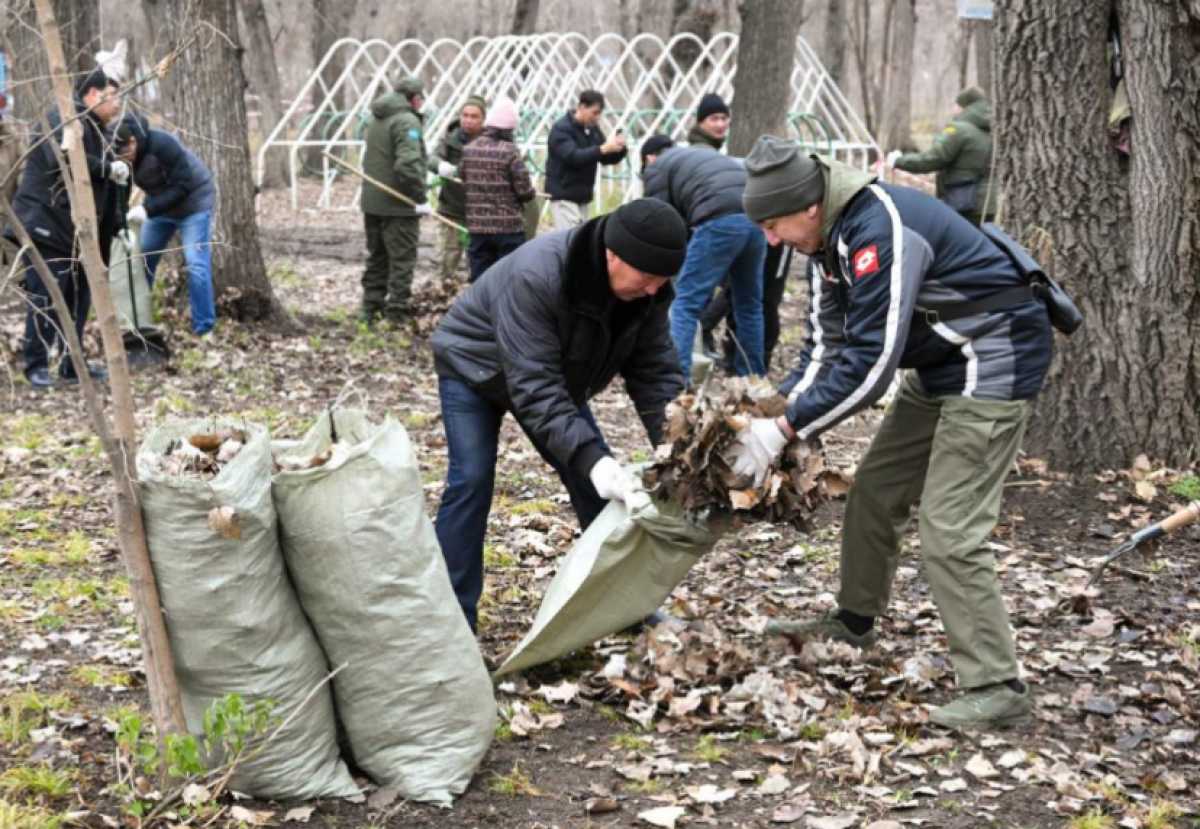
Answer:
[(693, 465), (201, 455)]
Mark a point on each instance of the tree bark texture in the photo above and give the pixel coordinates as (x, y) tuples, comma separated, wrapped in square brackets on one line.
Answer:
[(1123, 237), (766, 56), (264, 80), (29, 82), (204, 96), (525, 17), (896, 119), (833, 49), (698, 17)]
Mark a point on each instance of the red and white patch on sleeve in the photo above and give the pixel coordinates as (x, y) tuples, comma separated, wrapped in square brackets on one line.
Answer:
[(866, 262)]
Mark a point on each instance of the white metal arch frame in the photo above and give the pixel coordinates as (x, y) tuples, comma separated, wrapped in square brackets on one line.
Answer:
[(646, 88)]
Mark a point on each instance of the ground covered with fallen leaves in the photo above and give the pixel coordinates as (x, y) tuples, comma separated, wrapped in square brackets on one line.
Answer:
[(703, 721)]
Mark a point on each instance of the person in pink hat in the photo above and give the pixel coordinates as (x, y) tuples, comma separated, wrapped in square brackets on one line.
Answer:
[(497, 184)]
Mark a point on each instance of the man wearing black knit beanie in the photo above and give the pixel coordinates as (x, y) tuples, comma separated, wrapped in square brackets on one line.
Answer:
[(539, 334)]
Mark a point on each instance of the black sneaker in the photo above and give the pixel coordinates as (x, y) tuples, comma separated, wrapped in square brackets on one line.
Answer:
[(39, 378), (67, 373)]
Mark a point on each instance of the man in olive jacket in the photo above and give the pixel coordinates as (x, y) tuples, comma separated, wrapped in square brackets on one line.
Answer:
[(395, 156), (961, 156), (539, 334)]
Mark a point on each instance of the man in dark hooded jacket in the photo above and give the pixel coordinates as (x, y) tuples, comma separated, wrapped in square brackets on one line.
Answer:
[(539, 334), (961, 156), (179, 199), (44, 208)]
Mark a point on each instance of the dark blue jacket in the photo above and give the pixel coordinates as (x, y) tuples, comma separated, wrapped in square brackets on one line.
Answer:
[(572, 154), (176, 182), (897, 250), (699, 182), (41, 201)]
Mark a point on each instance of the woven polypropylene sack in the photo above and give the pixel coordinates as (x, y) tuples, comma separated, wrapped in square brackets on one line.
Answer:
[(233, 619), (414, 696), (617, 573)]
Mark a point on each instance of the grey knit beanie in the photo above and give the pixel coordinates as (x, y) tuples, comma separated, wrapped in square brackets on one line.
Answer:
[(780, 179)]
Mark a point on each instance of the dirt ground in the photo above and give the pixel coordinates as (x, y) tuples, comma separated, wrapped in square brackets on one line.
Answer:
[(743, 730)]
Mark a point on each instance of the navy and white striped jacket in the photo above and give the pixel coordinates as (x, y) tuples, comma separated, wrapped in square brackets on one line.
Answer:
[(899, 250)]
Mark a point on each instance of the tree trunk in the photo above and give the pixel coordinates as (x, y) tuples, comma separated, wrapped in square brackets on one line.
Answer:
[(697, 17), (29, 82), (962, 52), (331, 22), (214, 125), (525, 17), (833, 49), (896, 120), (264, 80), (762, 87), (1123, 238), (984, 55)]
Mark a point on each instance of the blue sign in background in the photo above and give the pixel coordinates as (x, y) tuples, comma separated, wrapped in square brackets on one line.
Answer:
[(976, 9)]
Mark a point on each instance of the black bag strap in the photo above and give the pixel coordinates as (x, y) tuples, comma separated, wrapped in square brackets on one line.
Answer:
[(951, 311)]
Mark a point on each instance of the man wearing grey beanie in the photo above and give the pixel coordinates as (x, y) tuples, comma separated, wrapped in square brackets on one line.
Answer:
[(900, 280)]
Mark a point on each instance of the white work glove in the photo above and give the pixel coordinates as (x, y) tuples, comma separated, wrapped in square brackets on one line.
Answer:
[(424, 209), (447, 170), (757, 447), (613, 483), (118, 171), (136, 215), (892, 156)]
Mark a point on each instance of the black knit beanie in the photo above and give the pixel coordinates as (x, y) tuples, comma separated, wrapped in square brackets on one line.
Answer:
[(711, 104), (654, 145), (648, 234)]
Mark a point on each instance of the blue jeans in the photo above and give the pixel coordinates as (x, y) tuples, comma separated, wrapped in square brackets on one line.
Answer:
[(730, 244), (43, 329), (472, 424), (486, 249), (195, 234)]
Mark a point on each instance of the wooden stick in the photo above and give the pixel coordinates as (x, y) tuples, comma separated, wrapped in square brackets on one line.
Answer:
[(393, 193), (131, 532)]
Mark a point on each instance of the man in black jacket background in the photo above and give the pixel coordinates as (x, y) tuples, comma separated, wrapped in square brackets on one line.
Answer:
[(179, 198), (44, 207), (539, 334), (575, 148)]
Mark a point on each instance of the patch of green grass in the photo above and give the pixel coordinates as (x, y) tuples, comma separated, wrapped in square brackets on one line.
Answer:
[(338, 316), (34, 558), (51, 622), (513, 784), (504, 732), (497, 555), (190, 361), (71, 590), (284, 275), (418, 420), (9, 610), (101, 676), (1162, 815), (753, 735), (533, 505), (1095, 819), (172, 404), (42, 782), (76, 548), (708, 751), (28, 431), (1187, 487), (812, 731), (18, 816), (650, 786), (24, 711), (631, 742), (609, 713), (315, 342)]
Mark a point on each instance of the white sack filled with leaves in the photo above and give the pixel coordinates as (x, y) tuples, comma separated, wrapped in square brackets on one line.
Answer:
[(414, 696), (233, 619), (617, 573)]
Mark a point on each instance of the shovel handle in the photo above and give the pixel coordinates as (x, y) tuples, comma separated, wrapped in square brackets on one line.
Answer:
[(1183, 518)]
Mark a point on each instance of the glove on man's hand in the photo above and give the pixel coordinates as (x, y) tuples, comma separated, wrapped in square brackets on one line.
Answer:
[(757, 447), (424, 209), (447, 170), (118, 171), (136, 215), (613, 483), (892, 156)]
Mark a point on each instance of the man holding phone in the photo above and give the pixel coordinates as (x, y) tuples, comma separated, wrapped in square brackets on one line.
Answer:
[(575, 148)]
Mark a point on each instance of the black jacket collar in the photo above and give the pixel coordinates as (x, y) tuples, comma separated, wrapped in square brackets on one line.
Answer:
[(586, 277)]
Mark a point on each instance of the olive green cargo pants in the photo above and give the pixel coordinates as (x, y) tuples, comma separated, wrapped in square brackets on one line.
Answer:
[(953, 453), (391, 258)]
